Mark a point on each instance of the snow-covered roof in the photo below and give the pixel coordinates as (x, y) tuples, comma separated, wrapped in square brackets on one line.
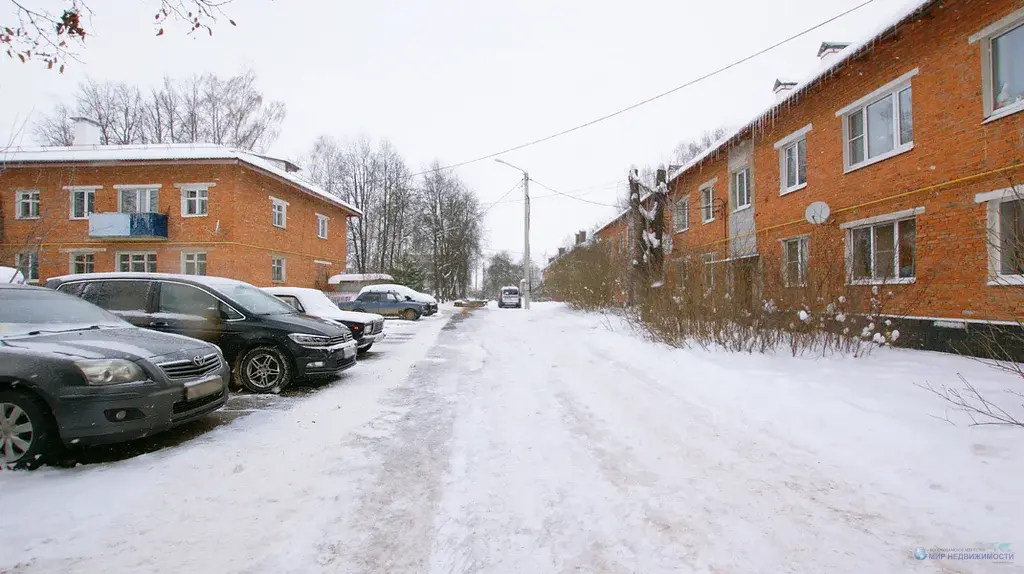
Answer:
[(168, 152), (357, 277), (912, 9)]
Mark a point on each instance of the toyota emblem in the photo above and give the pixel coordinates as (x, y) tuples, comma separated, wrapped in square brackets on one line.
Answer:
[(198, 361)]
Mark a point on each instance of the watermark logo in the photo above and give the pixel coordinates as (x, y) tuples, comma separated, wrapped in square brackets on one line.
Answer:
[(994, 552)]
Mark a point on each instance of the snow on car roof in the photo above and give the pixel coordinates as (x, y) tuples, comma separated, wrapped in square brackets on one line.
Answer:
[(208, 280), (356, 277), (156, 152)]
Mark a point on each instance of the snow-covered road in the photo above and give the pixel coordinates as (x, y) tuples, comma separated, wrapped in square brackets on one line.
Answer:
[(551, 441)]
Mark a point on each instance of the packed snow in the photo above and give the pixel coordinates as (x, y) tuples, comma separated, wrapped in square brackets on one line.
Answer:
[(553, 441)]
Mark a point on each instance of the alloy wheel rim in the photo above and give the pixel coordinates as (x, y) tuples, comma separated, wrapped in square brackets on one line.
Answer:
[(264, 371), (16, 432)]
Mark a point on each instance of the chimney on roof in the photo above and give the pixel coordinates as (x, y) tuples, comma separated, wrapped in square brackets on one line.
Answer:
[(782, 89), (87, 131), (828, 51), (581, 237)]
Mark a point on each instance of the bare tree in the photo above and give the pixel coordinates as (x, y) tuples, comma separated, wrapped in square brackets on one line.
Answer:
[(56, 127), (690, 149), (228, 111), (50, 37), (449, 225)]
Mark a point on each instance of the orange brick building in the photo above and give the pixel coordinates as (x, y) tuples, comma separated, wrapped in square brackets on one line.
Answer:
[(194, 209), (915, 141)]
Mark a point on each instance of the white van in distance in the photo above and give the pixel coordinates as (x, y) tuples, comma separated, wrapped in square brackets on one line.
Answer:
[(509, 297)]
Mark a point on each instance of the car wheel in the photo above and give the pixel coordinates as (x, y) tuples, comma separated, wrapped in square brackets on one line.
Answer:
[(410, 315), (362, 351), (28, 435), (264, 370)]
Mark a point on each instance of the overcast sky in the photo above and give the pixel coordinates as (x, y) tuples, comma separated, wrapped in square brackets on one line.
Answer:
[(457, 80)]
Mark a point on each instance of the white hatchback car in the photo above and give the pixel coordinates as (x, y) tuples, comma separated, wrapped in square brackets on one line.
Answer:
[(367, 328)]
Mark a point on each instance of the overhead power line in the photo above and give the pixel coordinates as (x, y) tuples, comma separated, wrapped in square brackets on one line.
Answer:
[(646, 100), (549, 188), (656, 96), (492, 204)]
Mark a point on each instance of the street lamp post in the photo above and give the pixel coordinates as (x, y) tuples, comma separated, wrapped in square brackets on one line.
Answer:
[(527, 276)]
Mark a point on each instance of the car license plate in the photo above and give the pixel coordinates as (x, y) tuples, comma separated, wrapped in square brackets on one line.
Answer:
[(348, 352), (202, 388)]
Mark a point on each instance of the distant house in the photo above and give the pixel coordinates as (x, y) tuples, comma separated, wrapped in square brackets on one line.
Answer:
[(181, 208)]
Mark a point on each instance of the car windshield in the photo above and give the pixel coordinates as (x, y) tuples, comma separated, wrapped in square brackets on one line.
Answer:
[(253, 300), (26, 310)]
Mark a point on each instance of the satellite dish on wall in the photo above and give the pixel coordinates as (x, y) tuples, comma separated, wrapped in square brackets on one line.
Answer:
[(817, 213)]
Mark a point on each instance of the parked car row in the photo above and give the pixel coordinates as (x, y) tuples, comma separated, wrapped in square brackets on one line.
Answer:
[(109, 357)]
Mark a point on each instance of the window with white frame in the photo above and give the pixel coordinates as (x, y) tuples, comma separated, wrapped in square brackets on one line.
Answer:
[(193, 263), (793, 160), (27, 205), (681, 215), (707, 203), (195, 201), (278, 212), (883, 252), (879, 125), (136, 262), (1002, 61), (794, 261), (138, 200), (83, 202), (1005, 235), (321, 226), (1011, 237), (83, 263), (741, 189), (28, 264), (708, 259), (277, 269)]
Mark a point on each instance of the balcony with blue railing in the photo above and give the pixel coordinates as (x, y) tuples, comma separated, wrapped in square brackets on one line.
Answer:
[(128, 225)]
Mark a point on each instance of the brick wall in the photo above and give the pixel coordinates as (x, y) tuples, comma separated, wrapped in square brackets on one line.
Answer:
[(953, 150), (237, 234)]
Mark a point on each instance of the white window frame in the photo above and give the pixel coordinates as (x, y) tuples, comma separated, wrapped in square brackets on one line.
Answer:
[(138, 190), (792, 142), (88, 200), (72, 256), (984, 39), (202, 198), (708, 260), (28, 197), (130, 255), (284, 269), (891, 91), (734, 189), (321, 226), (803, 253), (888, 218), (682, 205), (993, 239), (275, 206), (707, 207), (195, 262), (27, 270)]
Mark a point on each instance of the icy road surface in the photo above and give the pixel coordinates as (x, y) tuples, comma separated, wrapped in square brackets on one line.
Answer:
[(551, 441)]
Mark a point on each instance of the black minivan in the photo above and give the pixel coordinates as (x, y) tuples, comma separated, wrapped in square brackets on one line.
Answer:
[(267, 343)]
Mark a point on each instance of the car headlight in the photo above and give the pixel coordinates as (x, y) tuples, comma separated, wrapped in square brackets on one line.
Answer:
[(110, 371), (310, 340)]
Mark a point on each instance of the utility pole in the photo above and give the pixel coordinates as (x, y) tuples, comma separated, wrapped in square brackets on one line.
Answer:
[(527, 280), (526, 242)]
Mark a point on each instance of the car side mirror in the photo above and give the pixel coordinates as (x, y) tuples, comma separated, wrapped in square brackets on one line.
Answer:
[(408, 298)]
